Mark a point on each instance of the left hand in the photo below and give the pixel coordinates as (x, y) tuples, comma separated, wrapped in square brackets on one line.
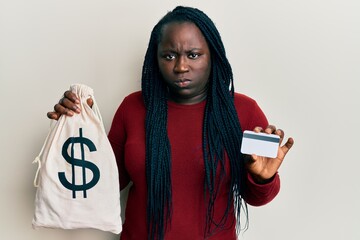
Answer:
[(263, 168)]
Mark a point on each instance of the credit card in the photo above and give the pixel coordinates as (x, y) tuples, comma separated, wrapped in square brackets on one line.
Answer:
[(261, 144)]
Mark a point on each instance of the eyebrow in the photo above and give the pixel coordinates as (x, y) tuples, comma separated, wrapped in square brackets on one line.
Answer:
[(173, 50)]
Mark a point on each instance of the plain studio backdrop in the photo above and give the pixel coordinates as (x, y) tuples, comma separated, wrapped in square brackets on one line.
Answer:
[(298, 59)]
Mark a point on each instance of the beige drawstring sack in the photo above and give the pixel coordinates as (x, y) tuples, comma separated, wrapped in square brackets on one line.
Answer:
[(77, 178)]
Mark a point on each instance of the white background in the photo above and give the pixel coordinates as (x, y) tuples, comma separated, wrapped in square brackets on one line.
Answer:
[(299, 59)]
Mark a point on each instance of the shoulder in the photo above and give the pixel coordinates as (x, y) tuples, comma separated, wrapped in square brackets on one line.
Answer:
[(133, 98), (244, 101), (249, 112), (132, 101), (132, 104)]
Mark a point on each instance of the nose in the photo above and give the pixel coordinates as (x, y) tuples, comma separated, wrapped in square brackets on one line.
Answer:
[(181, 65)]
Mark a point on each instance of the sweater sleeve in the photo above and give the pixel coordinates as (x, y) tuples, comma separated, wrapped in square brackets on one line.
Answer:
[(251, 116), (261, 194), (117, 138)]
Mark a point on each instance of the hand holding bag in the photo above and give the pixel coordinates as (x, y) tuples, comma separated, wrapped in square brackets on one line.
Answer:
[(77, 179)]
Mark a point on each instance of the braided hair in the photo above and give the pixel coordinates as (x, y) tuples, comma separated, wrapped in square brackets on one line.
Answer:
[(221, 136)]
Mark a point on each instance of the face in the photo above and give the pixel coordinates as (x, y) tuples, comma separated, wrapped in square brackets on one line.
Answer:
[(184, 62)]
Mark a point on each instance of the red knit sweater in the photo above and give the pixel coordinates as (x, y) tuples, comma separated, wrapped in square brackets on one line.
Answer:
[(127, 136)]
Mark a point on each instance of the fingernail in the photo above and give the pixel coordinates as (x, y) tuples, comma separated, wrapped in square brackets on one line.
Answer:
[(76, 109)]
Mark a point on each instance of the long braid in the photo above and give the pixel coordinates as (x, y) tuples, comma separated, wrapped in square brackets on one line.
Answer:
[(158, 162), (222, 133)]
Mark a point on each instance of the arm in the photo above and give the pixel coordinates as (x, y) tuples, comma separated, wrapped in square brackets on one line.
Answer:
[(262, 182), (117, 138), (257, 194)]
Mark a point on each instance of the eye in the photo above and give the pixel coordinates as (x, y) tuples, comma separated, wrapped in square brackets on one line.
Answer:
[(169, 57), (193, 55)]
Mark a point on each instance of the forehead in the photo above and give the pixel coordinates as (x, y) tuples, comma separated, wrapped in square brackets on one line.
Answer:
[(187, 33)]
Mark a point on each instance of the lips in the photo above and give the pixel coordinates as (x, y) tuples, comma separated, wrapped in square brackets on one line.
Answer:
[(182, 82)]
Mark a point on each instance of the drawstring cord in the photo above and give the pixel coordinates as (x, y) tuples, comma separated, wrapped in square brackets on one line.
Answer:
[(38, 161)]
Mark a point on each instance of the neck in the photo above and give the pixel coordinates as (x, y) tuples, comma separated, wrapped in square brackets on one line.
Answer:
[(187, 100)]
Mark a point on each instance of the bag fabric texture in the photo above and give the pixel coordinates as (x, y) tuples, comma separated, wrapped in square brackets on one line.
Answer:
[(77, 179)]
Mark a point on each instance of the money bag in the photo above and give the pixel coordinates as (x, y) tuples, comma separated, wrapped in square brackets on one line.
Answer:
[(77, 179)]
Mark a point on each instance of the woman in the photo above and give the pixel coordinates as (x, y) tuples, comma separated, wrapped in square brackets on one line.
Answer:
[(178, 140)]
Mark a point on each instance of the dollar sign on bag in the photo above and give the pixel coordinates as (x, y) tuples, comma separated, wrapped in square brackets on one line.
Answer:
[(79, 162)]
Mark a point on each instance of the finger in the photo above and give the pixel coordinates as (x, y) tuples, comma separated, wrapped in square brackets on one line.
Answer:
[(59, 110), (248, 159), (270, 129), (90, 102), (254, 157), (288, 145), (53, 115), (72, 97), (258, 129), (280, 133), (67, 103)]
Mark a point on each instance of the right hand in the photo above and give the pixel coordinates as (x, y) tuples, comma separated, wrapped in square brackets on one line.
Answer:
[(68, 105)]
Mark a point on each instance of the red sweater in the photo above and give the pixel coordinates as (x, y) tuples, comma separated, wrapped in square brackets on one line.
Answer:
[(127, 136)]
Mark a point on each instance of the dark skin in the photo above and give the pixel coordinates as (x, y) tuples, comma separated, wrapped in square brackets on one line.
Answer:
[(184, 61), (185, 64)]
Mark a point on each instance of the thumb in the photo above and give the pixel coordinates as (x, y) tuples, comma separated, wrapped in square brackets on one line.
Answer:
[(90, 102)]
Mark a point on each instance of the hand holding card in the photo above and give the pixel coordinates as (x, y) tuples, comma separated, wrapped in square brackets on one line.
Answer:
[(265, 152), (261, 144)]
